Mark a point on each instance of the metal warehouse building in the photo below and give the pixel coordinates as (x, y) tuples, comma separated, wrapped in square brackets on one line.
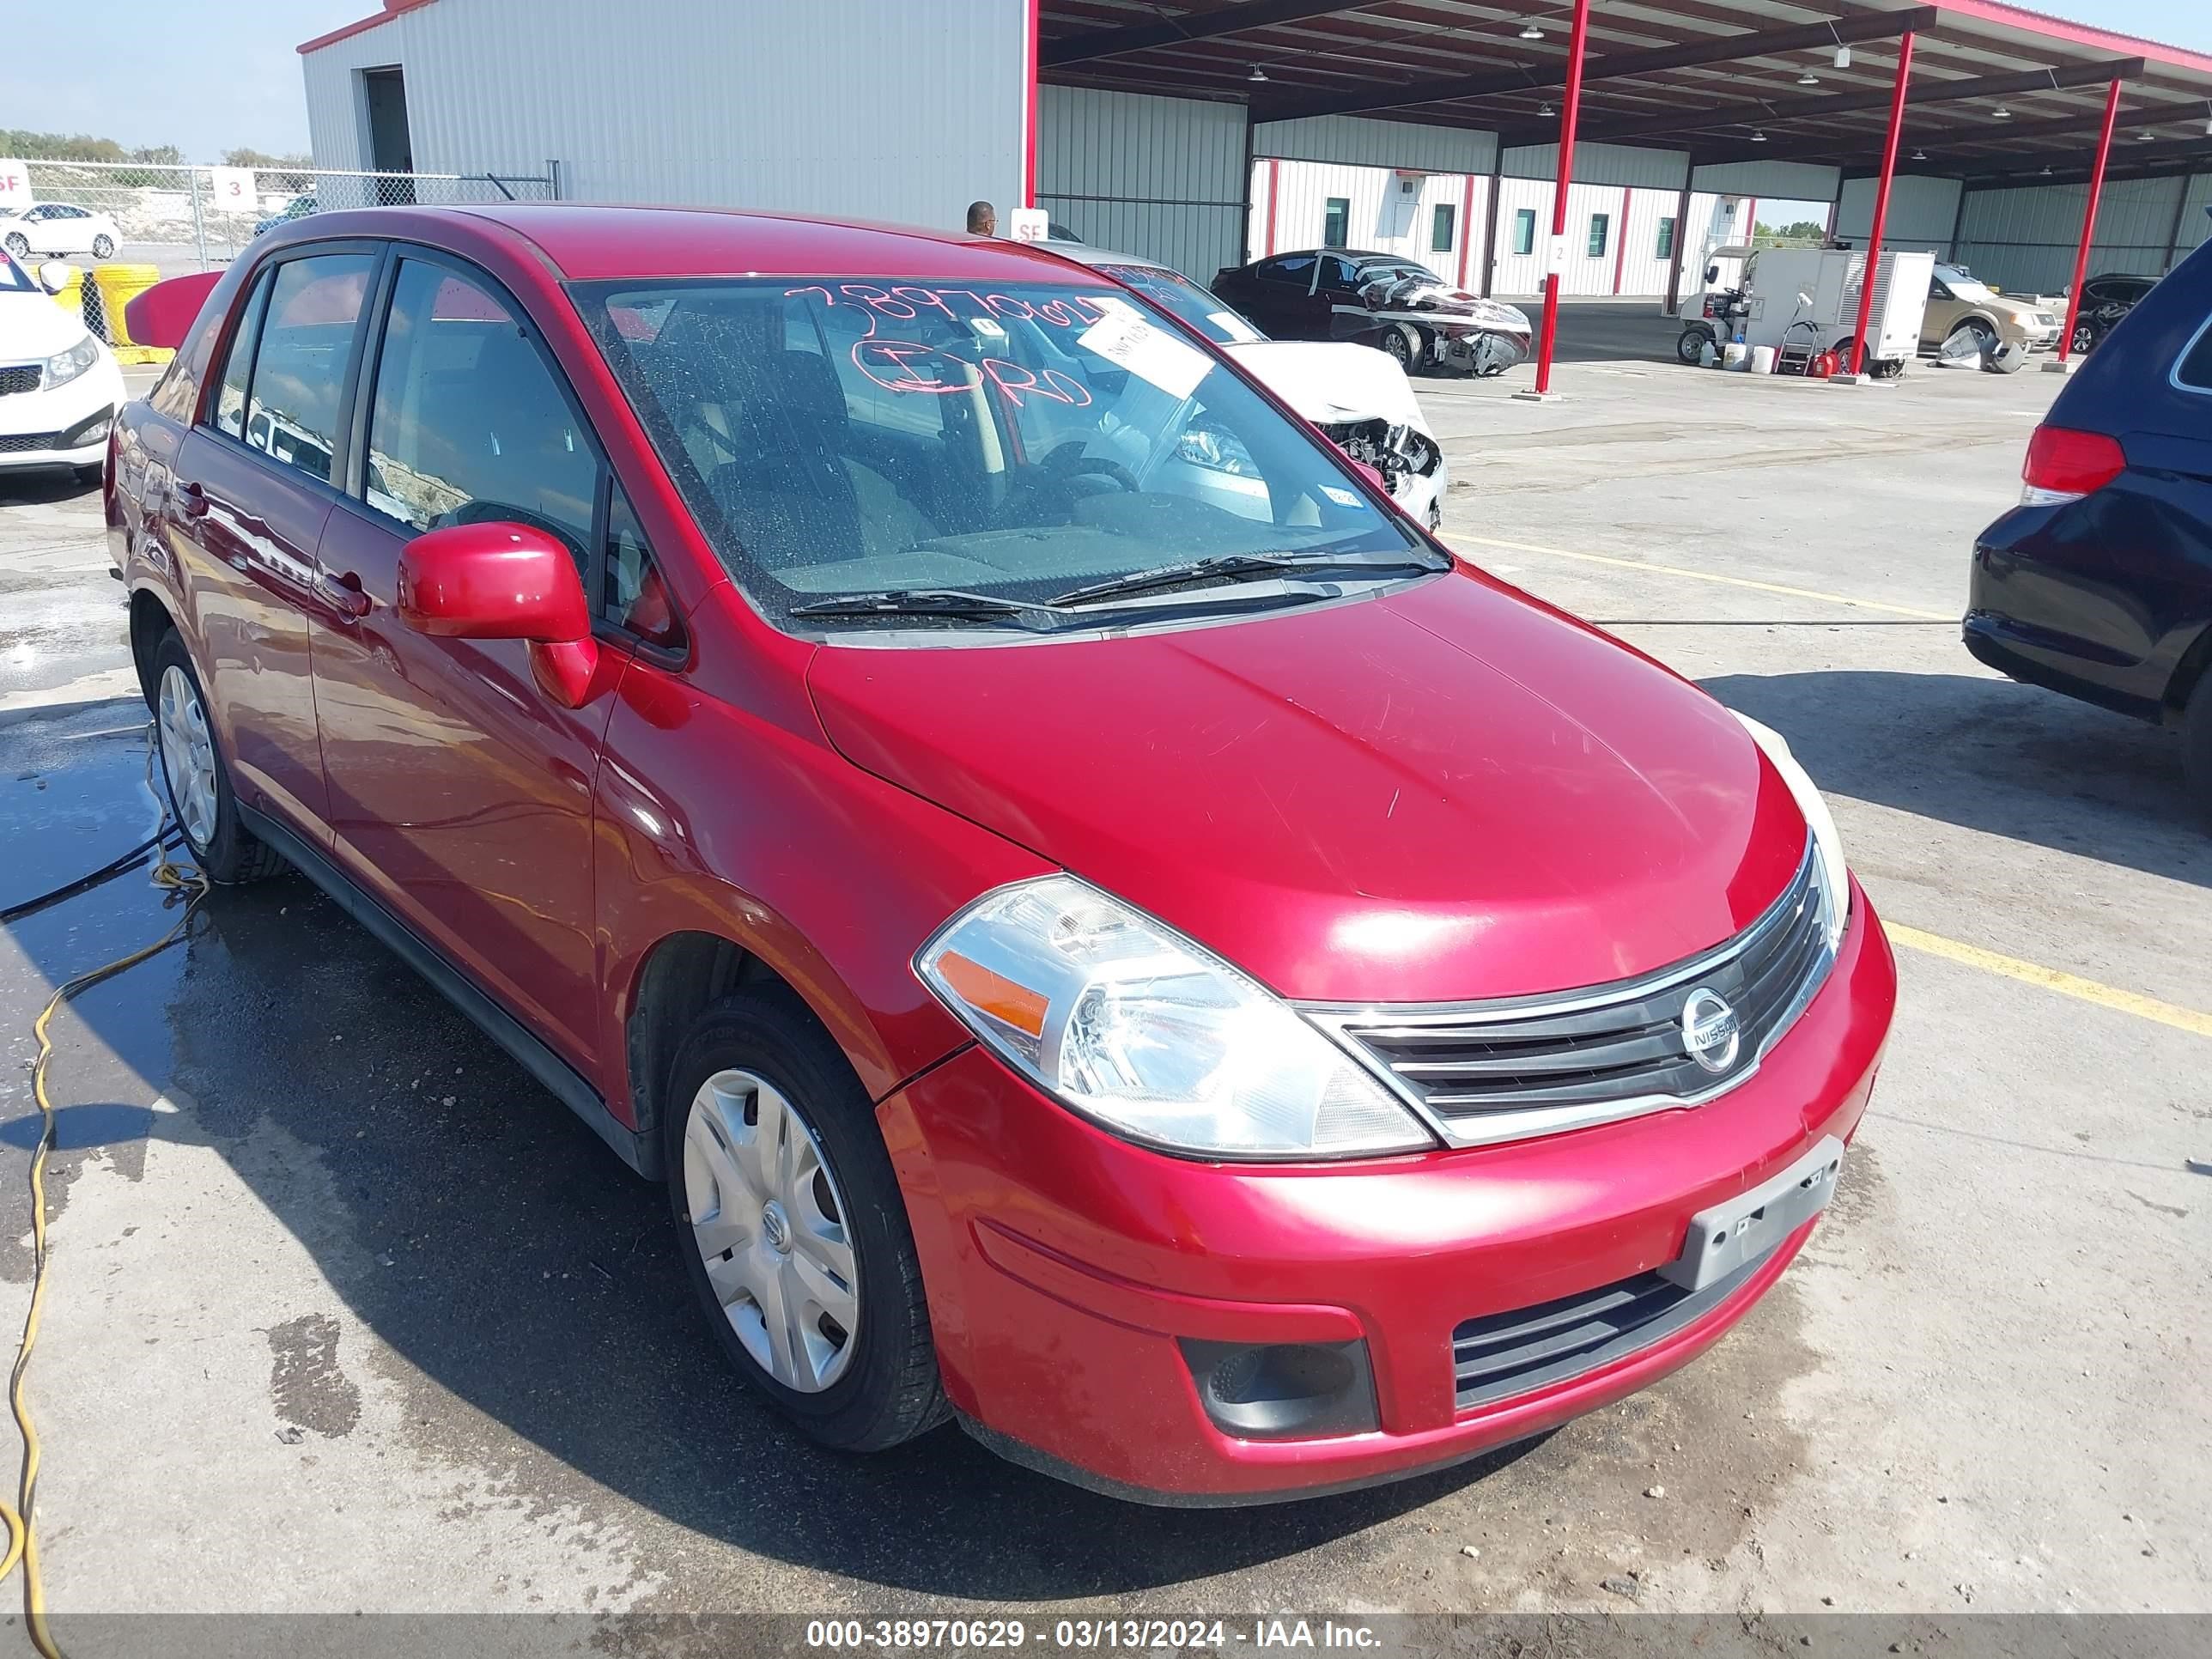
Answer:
[(1209, 131)]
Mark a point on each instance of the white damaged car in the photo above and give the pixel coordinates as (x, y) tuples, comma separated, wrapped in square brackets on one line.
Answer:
[(1357, 396), (59, 386)]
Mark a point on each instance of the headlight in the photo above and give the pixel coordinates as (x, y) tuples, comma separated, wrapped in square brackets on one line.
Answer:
[(66, 366), (1835, 875), (1217, 451), (1149, 1035)]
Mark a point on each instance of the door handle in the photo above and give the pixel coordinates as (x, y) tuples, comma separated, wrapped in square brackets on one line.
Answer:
[(192, 500), (343, 594)]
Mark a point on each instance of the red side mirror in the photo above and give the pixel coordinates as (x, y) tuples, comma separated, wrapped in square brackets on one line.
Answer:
[(503, 582), (163, 315)]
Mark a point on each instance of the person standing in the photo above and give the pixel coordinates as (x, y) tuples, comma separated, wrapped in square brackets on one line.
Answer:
[(982, 219)]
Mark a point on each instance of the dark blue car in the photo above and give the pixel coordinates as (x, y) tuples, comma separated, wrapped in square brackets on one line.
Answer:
[(2099, 584)]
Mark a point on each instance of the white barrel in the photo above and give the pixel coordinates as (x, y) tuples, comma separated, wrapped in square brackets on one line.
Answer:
[(1762, 360), (1735, 354)]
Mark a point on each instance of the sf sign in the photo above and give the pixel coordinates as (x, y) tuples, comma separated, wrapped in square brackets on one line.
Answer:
[(14, 185)]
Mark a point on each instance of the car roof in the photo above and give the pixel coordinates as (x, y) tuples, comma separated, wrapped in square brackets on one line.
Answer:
[(1084, 254), (1356, 255), (590, 243)]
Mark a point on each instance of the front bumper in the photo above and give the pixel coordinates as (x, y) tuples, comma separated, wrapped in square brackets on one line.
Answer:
[(66, 426), (1069, 1272)]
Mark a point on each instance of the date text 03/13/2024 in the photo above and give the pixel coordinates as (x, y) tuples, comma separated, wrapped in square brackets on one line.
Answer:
[(1083, 1635)]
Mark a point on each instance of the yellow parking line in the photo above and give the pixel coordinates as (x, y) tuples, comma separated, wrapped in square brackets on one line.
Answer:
[(1710, 576), (2051, 979)]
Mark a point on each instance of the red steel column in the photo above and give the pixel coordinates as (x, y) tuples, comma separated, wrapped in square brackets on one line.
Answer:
[(1881, 200), (1029, 133), (2089, 219), (1563, 176)]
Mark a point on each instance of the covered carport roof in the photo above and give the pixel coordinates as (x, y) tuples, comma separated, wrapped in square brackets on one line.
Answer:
[(1998, 93)]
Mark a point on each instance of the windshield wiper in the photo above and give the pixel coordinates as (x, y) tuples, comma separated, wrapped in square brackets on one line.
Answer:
[(1234, 567), (947, 602)]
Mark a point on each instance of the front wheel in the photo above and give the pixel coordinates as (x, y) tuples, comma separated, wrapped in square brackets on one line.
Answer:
[(2085, 337), (17, 244), (1691, 346), (200, 796), (794, 1231), (1400, 348), (103, 247)]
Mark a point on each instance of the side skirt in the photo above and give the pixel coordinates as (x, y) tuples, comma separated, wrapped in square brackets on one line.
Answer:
[(640, 1152)]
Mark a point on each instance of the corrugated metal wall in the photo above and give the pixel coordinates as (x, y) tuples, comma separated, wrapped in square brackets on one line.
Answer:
[(747, 105), (2024, 239), (1921, 211), (1383, 215), (1631, 264), (1161, 177), (1601, 164), (2196, 216), (1362, 143), (1774, 181)]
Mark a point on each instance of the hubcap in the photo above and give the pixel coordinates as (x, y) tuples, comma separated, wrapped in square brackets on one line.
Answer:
[(770, 1223), (187, 758)]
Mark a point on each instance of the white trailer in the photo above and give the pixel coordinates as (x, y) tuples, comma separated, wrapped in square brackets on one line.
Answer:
[(1819, 286)]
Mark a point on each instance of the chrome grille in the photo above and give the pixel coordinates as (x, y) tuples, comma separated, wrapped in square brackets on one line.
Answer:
[(1516, 1067)]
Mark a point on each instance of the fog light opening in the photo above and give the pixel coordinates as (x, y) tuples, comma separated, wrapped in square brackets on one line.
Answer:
[(1284, 1390)]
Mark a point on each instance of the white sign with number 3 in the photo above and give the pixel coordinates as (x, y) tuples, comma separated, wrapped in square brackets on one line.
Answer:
[(234, 190)]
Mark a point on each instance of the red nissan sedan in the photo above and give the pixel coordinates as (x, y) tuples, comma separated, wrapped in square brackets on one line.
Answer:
[(1106, 929)]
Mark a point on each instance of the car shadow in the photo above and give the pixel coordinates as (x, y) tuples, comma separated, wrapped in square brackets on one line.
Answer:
[(42, 487), (1989, 755), (524, 1285)]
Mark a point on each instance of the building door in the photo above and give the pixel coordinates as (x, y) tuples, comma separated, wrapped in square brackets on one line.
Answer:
[(384, 97)]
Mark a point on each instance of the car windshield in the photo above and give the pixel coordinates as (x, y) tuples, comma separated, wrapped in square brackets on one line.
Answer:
[(1964, 284), (14, 279), (1172, 290), (893, 437)]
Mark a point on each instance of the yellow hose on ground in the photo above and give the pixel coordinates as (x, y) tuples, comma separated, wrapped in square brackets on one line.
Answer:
[(20, 1518)]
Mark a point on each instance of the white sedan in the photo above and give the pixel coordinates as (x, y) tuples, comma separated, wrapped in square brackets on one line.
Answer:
[(1357, 396), (54, 227), (59, 387)]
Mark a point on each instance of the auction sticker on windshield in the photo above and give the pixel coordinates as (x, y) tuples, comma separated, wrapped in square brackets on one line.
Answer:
[(1121, 336)]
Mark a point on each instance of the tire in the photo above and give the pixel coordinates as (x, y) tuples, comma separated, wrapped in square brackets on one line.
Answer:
[(2196, 748), (225, 849), (103, 247), (1690, 348), (1400, 348), (760, 1057), (2087, 333), (17, 244)]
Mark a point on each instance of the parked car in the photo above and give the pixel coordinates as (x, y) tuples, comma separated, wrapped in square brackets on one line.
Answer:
[(1382, 300), (2098, 583), (2104, 300), (1963, 309), (1358, 397), (59, 387), (298, 208), (1220, 996), (55, 227)]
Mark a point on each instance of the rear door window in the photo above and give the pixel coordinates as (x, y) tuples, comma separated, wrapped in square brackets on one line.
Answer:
[(300, 365), (468, 424)]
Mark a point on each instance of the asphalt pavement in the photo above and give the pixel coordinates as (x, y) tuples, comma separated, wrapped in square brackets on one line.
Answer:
[(347, 1315)]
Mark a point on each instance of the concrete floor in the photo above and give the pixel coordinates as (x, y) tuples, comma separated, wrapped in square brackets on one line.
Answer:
[(347, 1315)]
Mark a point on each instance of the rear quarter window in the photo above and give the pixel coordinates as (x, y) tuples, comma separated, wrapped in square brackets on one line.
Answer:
[(2194, 372)]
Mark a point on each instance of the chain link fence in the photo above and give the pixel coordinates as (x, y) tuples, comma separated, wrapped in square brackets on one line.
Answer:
[(184, 218)]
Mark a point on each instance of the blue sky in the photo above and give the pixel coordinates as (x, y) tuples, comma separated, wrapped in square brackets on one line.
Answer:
[(207, 74)]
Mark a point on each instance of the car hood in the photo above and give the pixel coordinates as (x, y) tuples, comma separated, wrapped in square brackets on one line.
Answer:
[(1432, 299), (33, 325), (1331, 382), (2019, 308), (1447, 792)]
